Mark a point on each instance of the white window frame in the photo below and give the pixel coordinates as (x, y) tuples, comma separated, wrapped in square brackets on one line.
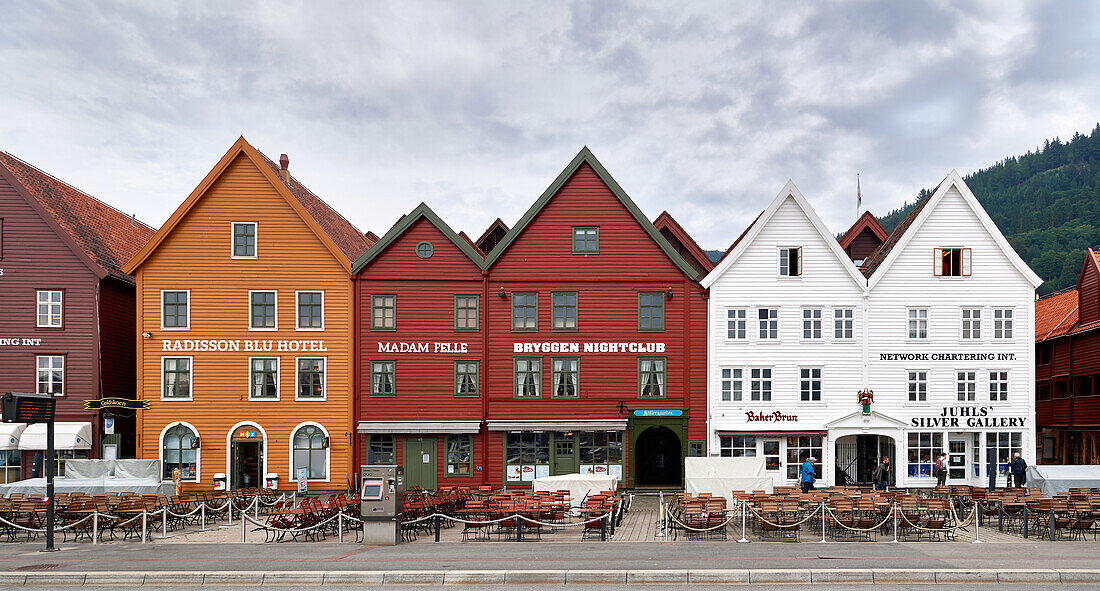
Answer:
[(820, 383), (191, 378), (736, 383), (276, 327), (754, 380), (918, 320), (49, 314), (298, 384), (810, 321), (328, 450), (744, 449), (278, 378), (770, 319), (998, 380), (973, 324), (233, 237), (966, 385), (297, 310), (1004, 324), (740, 324), (846, 324), (917, 380), (779, 262), (36, 370), (965, 261), (188, 327), (198, 450)]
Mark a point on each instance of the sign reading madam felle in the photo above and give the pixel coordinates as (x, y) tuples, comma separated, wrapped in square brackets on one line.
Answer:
[(223, 345), (971, 416), (422, 347)]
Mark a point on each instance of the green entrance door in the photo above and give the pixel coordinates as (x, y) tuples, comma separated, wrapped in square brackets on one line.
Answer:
[(420, 462), (565, 455)]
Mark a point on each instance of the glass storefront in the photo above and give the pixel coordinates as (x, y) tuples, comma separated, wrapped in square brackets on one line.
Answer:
[(529, 455)]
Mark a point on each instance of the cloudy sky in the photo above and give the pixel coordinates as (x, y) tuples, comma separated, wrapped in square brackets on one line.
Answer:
[(703, 109)]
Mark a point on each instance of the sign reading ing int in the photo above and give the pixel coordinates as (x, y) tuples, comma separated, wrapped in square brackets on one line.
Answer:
[(19, 342), (947, 357)]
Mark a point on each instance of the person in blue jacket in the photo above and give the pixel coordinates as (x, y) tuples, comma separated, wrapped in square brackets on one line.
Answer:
[(808, 474)]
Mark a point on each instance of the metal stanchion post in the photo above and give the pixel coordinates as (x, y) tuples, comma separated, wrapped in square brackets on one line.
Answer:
[(257, 510), (340, 526), (437, 524), (202, 516), (661, 519), (1052, 520), (743, 538), (144, 523), (977, 537), (1000, 516), (244, 526), (519, 528), (895, 523), (603, 529), (164, 523), (1027, 518), (822, 522), (230, 501), (95, 527)]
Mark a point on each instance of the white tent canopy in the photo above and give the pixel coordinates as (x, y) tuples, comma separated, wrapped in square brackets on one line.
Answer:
[(1052, 479), (9, 435), (66, 436), (721, 476), (578, 485)]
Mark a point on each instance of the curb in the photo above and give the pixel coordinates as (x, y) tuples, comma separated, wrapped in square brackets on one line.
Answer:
[(551, 577)]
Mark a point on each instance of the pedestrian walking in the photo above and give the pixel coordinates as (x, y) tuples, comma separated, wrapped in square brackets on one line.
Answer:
[(808, 474), (1018, 468), (941, 470), (881, 474)]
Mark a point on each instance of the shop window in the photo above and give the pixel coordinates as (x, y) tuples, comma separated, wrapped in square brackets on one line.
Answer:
[(737, 447), (175, 310), (732, 384), (51, 374), (600, 452), (651, 377), (799, 449), (998, 386), (811, 323), (735, 323), (810, 386), (525, 311), (563, 311), (49, 309), (179, 451), (311, 377), (1005, 445), (527, 377), (383, 312), (842, 323), (311, 452), (768, 319), (527, 456), (923, 449), (383, 377), (971, 324), (1002, 323), (651, 311), (265, 378), (262, 315), (918, 386), (951, 262), (466, 312), (10, 469), (790, 261), (761, 384), (460, 457), (918, 323), (586, 240), (466, 378), (311, 310), (380, 450), (697, 448), (966, 385), (565, 377), (177, 377), (244, 240)]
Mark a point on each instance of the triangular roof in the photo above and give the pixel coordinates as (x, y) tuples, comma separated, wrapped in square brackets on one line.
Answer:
[(789, 191), (371, 237), (497, 226), (1056, 314), (873, 420), (469, 241), (101, 236), (865, 222), (406, 222), (585, 156), (880, 260), (666, 221), (339, 236)]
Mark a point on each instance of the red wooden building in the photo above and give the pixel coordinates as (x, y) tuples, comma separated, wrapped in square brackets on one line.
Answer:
[(67, 313), (564, 349), (1067, 371)]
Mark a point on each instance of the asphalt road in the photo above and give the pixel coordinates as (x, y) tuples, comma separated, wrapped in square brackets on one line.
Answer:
[(816, 586), (558, 556)]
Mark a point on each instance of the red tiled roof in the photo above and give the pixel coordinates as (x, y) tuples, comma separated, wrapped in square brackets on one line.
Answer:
[(108, 236), (868, 222), (872, 262), (1056, 314), (347, 237)]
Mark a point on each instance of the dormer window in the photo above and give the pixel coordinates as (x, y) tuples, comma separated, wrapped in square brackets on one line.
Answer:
[(951, 262), (586, 240), (244, 240), (790, 261)]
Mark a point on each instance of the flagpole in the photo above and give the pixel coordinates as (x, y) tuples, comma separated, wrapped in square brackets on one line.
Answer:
[(859, 196)]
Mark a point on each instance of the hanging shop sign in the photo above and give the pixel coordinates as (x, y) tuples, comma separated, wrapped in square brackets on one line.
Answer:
[(968, 416), (423, 347), (607, 347), (116, 403), (770, 417), (233, 346), (19, 342), (947, 357)]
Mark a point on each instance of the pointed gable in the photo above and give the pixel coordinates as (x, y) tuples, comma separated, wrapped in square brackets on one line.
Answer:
[(450, 251), (491, 236), (863, 238), (1088, 289), (102, 236), (1055, 314), (684, 244), (585, 194)]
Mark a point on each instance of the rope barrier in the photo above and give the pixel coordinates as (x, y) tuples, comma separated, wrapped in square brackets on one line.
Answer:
[(785, 526), (872, 528), (689, 528), (506, 518), (961, 525), (290, 530), (43, 530)]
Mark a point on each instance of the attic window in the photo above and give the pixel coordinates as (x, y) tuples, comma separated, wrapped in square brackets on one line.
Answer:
[(424, 249), (951, 262), (244, 240), (586, 240), (790, 261)]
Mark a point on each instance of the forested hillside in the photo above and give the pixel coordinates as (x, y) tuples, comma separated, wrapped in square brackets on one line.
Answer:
[(1047, 203)]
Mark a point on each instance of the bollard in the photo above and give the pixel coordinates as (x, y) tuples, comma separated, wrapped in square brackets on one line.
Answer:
[(230, 501), (340, 526), (1052, 520), (822, 522), (743, 538), (244, 527), (895, 523), (95, 527), (437, 526), (661, 522), (164, 523), (977, 537), (1027, 518), (144, 523), (202, 516), (257, 510)]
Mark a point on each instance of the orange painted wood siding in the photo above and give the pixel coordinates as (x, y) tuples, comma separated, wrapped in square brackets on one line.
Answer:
[(195, 256)]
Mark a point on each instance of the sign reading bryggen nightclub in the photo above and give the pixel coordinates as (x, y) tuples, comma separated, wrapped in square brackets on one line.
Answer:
[(906, 345)]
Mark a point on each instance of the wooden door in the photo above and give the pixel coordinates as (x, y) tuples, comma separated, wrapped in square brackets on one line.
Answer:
[(420, 462), (565, 456)]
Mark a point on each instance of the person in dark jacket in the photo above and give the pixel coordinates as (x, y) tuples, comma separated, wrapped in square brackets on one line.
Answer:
[(941, 470), (808, 474), (1018, 467), (881, 474)]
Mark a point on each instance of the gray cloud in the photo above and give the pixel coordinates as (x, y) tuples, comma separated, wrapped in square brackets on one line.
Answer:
[(703, 109)]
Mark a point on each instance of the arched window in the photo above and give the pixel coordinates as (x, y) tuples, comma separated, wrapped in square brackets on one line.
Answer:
[(179, 450), (311, 452), (380, 450)]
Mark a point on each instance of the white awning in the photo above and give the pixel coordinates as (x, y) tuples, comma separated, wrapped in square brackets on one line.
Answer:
[(418, 427), (66, 436), (9, 435), (571, 425)]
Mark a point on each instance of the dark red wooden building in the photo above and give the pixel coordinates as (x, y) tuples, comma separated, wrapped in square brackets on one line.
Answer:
[(67, 311), (568, 347), (1067, 370)]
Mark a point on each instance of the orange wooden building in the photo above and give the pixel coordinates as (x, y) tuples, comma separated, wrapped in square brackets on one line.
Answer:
[(244, 331)]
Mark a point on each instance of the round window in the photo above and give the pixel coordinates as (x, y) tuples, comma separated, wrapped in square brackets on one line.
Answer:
[(424, 250)]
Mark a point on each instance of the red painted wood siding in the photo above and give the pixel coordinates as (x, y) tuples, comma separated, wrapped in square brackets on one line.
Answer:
[(863, 245), (1088, 294), (117, 325)]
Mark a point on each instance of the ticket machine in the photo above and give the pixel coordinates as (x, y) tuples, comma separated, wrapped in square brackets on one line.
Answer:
[(381, 503)]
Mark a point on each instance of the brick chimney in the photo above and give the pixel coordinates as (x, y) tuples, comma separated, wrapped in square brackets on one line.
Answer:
[(284, 164)]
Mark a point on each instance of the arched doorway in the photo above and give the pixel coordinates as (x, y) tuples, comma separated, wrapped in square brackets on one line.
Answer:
[(657, 458), (857, 456), (247, 447)]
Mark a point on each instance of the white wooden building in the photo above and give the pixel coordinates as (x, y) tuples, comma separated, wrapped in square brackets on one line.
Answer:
[(937, 323)]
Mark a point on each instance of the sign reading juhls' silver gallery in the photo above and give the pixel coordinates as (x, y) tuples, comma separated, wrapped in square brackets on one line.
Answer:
[(935, 320)]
